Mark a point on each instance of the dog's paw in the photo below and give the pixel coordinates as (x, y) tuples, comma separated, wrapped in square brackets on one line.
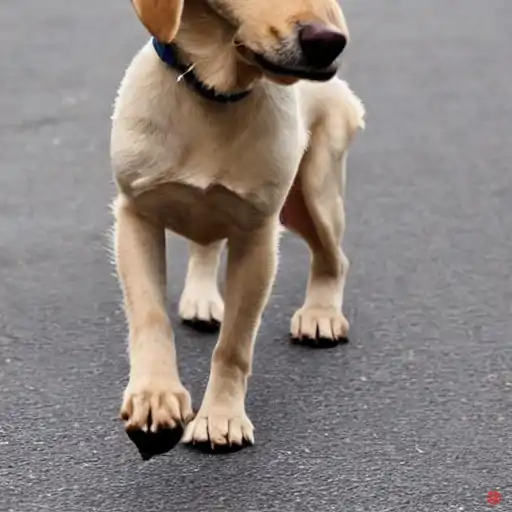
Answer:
[(202, 310), (155, 415), (319, 327), (219, 432)]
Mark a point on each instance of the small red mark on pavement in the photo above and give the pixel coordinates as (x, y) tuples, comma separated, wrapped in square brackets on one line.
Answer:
[(494, 497)]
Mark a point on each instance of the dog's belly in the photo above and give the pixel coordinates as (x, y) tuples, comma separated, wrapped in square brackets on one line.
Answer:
[(202, 215)]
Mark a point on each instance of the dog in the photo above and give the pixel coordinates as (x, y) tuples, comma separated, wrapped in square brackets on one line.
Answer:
[(229, 124)]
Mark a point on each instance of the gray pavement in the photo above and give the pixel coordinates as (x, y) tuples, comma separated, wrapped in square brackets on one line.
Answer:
[(413, 415)]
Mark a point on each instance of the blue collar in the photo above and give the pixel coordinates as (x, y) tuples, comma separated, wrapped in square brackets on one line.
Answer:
[(169, 55)]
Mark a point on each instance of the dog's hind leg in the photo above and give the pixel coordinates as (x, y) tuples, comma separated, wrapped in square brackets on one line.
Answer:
[(314, 210), (201, 305), (155, 400)]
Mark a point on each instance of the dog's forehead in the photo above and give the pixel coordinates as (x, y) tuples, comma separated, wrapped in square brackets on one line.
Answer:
[(225, 9), (230, 8), (262, 19)]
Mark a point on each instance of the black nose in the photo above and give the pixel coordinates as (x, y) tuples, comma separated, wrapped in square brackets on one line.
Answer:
[(321, 45)]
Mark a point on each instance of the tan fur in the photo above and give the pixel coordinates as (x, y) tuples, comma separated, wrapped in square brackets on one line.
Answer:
[(160, 17), (215, 173)]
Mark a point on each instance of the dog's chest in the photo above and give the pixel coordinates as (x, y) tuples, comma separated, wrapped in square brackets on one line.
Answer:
[(258, 165), (223, 175)]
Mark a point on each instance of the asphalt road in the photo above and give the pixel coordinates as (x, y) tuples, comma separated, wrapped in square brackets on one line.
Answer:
[(413, 415)]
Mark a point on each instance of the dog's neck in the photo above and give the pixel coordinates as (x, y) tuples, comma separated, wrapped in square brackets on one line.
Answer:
[(205, 41)]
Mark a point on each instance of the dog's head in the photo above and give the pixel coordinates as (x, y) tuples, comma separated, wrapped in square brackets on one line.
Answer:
[(286, 38)]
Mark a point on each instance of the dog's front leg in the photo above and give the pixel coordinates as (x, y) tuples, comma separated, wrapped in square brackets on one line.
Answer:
[(221, 420), (155, 399)]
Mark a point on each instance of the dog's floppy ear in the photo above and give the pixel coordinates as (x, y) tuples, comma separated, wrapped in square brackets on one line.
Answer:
[(160, 17)]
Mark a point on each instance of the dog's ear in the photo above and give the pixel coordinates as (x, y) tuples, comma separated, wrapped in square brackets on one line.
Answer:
[(161, 17)]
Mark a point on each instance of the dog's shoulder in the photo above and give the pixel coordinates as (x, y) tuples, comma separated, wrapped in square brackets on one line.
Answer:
[(142, 86)]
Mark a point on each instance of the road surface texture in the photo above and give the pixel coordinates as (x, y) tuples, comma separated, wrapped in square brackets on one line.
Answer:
[(413, 415)]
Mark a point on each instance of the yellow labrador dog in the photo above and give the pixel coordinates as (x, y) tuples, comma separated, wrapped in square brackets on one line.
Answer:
[(229, 122)]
